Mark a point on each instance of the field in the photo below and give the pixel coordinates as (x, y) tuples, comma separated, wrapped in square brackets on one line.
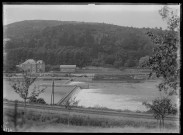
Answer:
[(87, 129), (45, 122)]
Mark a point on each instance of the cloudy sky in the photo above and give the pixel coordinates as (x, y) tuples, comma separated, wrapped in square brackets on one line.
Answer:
[(123, 15)]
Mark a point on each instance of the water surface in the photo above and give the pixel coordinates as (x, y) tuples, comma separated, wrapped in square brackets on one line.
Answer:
[(118, 95)]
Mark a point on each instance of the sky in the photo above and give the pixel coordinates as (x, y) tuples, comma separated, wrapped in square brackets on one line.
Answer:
[(118, 14)]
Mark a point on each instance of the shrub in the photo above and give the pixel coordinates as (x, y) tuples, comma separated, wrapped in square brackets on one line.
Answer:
[(41, 101), (38, 101), (79, 120)]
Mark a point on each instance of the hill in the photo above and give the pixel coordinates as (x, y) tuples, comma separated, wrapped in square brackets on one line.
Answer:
[(80, 43)]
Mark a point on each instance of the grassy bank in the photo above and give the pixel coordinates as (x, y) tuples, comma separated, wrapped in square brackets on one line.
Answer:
[(109, 109), (87, 129), (46, 119), (95, 107)]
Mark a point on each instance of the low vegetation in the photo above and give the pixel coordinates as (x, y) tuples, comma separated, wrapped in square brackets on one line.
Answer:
[(39, 118), (161, 108), (37, 100)]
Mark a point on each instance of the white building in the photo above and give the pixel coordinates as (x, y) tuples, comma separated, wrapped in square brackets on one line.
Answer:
[(67, 68), (32, 66)]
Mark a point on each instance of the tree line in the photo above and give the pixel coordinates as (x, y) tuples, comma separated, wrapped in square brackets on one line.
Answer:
[(78, 43)]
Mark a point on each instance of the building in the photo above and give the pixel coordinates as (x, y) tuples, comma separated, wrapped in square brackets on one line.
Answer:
[(32, 66), (40, 66), (67, 68)]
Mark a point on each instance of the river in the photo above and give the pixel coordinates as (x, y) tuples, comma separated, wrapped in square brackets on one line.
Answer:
[(124, 96)]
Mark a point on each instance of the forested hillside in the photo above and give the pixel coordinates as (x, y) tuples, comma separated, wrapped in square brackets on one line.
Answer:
[(58, 42)]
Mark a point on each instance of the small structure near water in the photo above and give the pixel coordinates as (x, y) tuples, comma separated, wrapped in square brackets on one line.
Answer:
[(67, 68), (82, 85)]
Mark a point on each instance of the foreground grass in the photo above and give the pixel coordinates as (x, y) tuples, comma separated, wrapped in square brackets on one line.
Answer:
[(89, 129), (44, 122)]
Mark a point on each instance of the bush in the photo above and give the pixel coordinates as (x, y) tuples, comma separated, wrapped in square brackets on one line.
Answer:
[(33, 100), (38, 101), (41, 101)]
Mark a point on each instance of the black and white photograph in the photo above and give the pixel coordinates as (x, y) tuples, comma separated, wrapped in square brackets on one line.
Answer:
[(91, 67)]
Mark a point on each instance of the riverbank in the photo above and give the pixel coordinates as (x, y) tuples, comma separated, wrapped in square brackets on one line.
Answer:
[(89, 129), (38, 121)]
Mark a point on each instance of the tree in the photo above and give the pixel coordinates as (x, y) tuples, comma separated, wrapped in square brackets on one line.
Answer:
[(161, 108), (109, 59), (143, 61), (164, 59), (22, 87), (81, 58), (68, 105), (164, 63)]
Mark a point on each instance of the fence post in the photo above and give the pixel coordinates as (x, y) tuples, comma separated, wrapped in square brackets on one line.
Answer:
[(15, 115)]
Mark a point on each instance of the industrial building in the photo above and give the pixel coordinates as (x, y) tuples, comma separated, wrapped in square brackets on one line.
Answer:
[(32, 66)]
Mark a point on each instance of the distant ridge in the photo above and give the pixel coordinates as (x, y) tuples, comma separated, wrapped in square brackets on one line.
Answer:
[(70, 42)]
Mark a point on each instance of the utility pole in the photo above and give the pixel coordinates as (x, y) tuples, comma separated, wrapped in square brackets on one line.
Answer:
[(52, 93), (51, 96)]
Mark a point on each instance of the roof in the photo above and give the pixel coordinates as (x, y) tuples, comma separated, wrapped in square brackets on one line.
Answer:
[(67, 66), (40, 61), (30, 61)]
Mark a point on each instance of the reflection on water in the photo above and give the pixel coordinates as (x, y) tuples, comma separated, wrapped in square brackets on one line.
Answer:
[(118, 95), (92, 98)]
